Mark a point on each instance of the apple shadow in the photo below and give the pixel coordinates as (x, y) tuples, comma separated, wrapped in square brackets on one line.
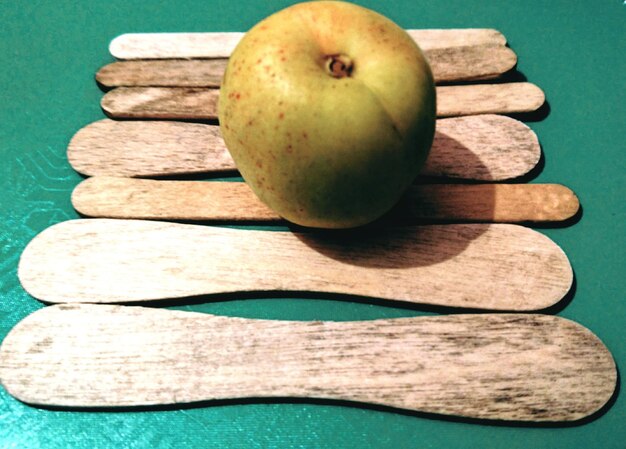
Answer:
[(391, 247), (390, 242)]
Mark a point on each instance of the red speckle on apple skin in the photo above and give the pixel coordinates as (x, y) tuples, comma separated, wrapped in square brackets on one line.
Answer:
[(259, 163), (281, 115), (305, 135), (289, 149)]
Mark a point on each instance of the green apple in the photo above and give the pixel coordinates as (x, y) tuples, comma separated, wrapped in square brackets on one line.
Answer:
[(328, 110)]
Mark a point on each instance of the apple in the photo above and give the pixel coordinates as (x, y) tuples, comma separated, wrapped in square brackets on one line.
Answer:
[(328, 110)]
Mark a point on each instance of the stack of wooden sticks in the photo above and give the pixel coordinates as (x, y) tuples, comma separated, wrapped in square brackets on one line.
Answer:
[(504, 366)]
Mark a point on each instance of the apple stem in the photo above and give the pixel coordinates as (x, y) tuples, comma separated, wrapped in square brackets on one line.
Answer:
[(339, 66)]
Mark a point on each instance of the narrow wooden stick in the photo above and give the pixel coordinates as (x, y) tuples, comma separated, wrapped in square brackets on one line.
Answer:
[(482, 147), (497, 366), (506, 98), (497, 266), (112, 197), (448, 64), (221, 45), (201, 103)]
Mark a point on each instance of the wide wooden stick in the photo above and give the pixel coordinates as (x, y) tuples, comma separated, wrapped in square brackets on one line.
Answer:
[(482, 147), (495, 366), (221, 45), (112, 197), (498, 266), (448, 64), (201, 103)]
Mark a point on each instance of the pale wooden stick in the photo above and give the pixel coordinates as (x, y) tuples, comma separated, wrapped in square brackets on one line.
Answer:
[(201, 103), (161, 103), (221, 45), (448, 64), (481, 147), (112, 197), (506, 98), (498, 266), (163, 73), (498, 203), (497, 366)]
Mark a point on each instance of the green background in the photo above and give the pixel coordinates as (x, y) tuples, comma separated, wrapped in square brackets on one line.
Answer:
[(574, 50)]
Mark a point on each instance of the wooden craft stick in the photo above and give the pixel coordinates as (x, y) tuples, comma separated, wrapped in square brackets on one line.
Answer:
[(505, 98), (481, 147), (497, 203), (221, 45), (520, 367), (194, 103), (448, 64), (112, 197), (498, 266)]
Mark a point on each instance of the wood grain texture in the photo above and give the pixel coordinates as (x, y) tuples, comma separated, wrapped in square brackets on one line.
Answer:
[(498, 203), (448, 64), (148, 148), (161, 103), (482, 147), (478, 62), (114, 197), (498, 266), (505, 98), (221, 45), (196, 103), (163, 73), (520, 367)]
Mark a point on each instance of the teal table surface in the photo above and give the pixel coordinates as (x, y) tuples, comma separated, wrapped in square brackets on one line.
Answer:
[(574, 50)]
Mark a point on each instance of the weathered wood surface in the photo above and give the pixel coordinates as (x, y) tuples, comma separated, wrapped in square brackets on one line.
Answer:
[(481, 147), (114, 197), (497, 266), (195, 103), (477, 62), (221, 45), (520, 367), (505, 98)]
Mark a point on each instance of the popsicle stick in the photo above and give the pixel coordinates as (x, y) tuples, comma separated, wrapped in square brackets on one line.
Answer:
[(161, 103), (163, 73), (448, 64), (482, 147), (112, 197), (500, 267), (505, 98), (497, 203), (194, 103), (520, 367), (221, 45)]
